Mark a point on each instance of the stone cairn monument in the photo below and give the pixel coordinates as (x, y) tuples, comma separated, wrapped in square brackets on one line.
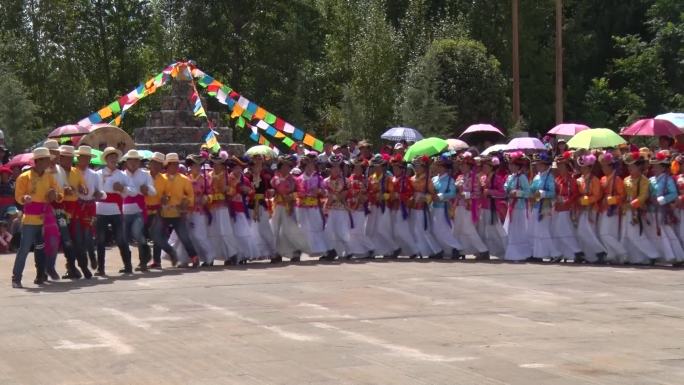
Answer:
[(175, 128)]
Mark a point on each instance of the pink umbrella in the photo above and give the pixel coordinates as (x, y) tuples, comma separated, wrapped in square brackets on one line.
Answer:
[(567, 129), (69, 130), (526, 143), (478, 128), (652, 127), (20, 160)]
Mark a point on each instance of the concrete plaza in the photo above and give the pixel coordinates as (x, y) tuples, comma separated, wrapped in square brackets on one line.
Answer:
[(399, 322)]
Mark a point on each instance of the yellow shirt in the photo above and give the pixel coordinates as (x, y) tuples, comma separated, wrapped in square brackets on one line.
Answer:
[(159, 182), (178, 188), (75, 180), (636, 190), (37, 186)]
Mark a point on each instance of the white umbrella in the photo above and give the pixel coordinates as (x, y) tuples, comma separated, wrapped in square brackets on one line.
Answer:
[(402, 133), (495, 148), (526, 143), (457, 144)]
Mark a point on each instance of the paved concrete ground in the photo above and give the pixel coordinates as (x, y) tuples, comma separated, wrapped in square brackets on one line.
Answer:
[(404, 322)]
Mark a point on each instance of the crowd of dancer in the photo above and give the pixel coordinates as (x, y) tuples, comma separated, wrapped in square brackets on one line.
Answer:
[(611, 206)]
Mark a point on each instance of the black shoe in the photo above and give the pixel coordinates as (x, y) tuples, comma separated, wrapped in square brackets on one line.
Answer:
[(39, 280), (483, 256), (601, 258), (332, 254), (126, 270), (232, 261), (87, 274), (154, 265), (277, 259), (93, 263), (579, 257), (53, 274), (396, 254), (17, 285), (439, 255), (207, 264), (294, 259), (414, 256), (100, 273), (371, 254), (72, 274), (142, 268)]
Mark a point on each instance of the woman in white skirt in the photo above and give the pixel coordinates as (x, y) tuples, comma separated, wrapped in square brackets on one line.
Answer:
[(590, 195), (543, 193), (221, 235), (198, 221), (640, 250), (419, 220), (379, 222), (517, 189), (493, 197), (258, 209), (401, 194), (288, 236), (309, 211), (360, 245), (338, 224), (238, 191), (613, 195), (663, 190), (467, 208), (562, 221), (442, 220)]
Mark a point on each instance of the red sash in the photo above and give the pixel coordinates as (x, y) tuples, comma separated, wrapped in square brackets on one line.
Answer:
[(236, 207), (140, 201), (86, 212), (114, 198), (35, 208)]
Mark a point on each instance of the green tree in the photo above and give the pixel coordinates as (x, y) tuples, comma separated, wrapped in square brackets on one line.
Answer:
[(18, 114)]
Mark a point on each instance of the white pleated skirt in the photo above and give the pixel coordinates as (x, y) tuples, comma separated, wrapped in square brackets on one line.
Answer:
[(289, 237), (359, 242), (263, 233), (564, 235), (311, 225), (668, 245), (492, 233), (425, 243), (443, 232), (221, 235), (609, 235), (198, 226), (402, 233), (465, 230), (543, 245), (337, 229), (519, 247), (587, 236), (639, 248), (248, 249), (379, 231)]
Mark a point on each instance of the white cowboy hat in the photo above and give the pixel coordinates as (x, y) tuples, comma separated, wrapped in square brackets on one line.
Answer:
[(84, 151), (132, 155), (158, 157), (41, 152), (66, 150), (51, 145), (172, 157), (109, 151)]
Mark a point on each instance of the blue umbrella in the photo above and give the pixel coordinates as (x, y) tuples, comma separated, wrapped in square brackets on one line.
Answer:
[(146, 154), (402, 133), (676, 118)]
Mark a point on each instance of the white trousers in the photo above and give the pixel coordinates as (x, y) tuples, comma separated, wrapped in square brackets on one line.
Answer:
[(587, 236), (640, 250), (379, 230), (402, 233), (543, 245), (609, 234), (221, 235), (425, 243), (198, 227), (564, 235), (465, 231), (289, 237), (337, 228), (311, 225), (492, 233), (263, 233), (519, 247), (443, 232)]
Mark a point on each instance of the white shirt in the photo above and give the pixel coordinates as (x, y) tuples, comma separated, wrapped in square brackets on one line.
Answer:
[(93, 183), (60, 176), (108, 178), (140, 178)]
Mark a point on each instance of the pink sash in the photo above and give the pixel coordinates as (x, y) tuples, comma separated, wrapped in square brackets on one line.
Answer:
[(140, 201)]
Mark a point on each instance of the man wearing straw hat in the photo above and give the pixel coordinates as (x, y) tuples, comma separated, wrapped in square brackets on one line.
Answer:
[(154, 226), (54, 226), (35, 190), (134, 206), (75, 185), (84, 241), (109, 210), (177, 199)]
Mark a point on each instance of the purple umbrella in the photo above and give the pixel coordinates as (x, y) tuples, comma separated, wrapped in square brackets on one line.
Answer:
[(526, 143), (567, 129), (69, 130), (652, 127), (481, 128)]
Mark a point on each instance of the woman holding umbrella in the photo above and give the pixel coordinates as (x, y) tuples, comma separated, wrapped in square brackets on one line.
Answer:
[(517, 189)]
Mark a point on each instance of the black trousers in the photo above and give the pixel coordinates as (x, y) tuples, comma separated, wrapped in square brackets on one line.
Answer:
[(116, 221)]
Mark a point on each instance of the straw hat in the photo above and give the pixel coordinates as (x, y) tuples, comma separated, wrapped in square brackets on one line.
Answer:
[(633, 158), (132, 155), (158, 157), (84, 151), (41, 152), (109, 151), (172, 157), (51, 145), (66, 150)]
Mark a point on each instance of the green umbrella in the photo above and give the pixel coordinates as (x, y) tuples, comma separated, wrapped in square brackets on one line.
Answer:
[(428, 146), (96, 160), (596, 138), (262, 150)]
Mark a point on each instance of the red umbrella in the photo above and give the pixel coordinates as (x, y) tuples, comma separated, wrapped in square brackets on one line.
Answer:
[(20, 160), (652, 127), (69, 130)]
